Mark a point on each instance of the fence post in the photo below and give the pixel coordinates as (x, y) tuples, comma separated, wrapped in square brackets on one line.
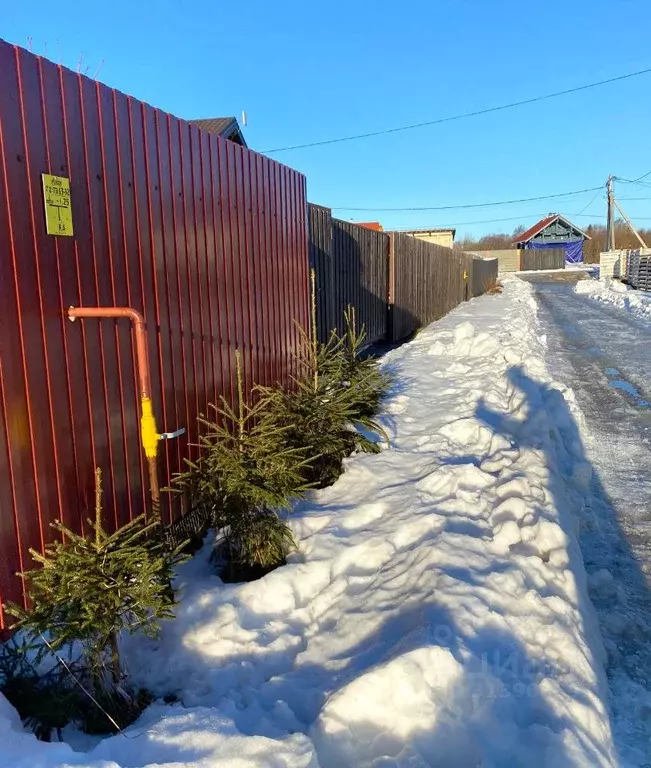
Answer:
[(468, 260), (391, 287)]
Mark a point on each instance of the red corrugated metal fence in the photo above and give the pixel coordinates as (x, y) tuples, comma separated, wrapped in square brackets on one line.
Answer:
[(206, 239)]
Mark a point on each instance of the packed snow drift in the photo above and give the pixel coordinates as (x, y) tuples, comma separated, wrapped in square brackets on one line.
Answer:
[(436, 613), (619, 295)]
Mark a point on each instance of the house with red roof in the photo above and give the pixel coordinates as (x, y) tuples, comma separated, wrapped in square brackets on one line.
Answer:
[(555, 231)]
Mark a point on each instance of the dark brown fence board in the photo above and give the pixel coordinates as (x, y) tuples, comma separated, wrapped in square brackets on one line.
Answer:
[(361, 261), (532, 259), (352, 269), (326, 284), (207, 239), (429, 281)]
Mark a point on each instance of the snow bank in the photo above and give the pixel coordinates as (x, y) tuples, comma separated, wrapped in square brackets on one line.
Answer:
[(437, 612), (173, 736), (568, 269), (616, 293)]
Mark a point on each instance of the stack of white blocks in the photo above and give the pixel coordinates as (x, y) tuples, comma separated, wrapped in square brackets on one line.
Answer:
[(613, 263)]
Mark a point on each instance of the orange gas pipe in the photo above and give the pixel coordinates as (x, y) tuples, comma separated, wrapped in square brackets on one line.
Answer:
[(148, 429)]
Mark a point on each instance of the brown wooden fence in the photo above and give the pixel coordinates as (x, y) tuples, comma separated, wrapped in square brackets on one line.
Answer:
[(427, 281), (361, 276), (320, 250), (352, 269), (204, 238), (396, 282), (532, 259)]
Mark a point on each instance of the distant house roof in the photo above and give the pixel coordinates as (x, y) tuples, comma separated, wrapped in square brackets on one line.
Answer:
[(429, 229), (370, 225), (227, 127), (543, 224)]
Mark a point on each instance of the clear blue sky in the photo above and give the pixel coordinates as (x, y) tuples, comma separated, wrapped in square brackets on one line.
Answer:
[(306, 71)]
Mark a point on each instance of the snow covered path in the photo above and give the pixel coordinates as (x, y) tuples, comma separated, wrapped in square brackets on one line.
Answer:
[(437, 613), (601, 350)]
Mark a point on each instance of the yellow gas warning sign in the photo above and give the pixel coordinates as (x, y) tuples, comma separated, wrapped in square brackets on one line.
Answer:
[(58, 209)]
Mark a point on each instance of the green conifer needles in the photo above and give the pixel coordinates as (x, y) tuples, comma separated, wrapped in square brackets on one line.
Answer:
[(360, 372), (246, 473), (89, 589), (338, 391), (253, 460)]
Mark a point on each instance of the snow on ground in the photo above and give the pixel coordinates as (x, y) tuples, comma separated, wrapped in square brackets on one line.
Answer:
[(582, 266), (436, 613), (613, 292)]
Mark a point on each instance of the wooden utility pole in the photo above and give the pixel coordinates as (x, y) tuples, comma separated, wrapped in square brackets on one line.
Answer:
[(610, 227), (630, 226)]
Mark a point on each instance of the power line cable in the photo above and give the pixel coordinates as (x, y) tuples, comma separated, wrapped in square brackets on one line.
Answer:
[(495, 221), (510, 218), (583, 210), (634, 181), (452, 118), (582, 213), (467, 223), (471, 205)]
